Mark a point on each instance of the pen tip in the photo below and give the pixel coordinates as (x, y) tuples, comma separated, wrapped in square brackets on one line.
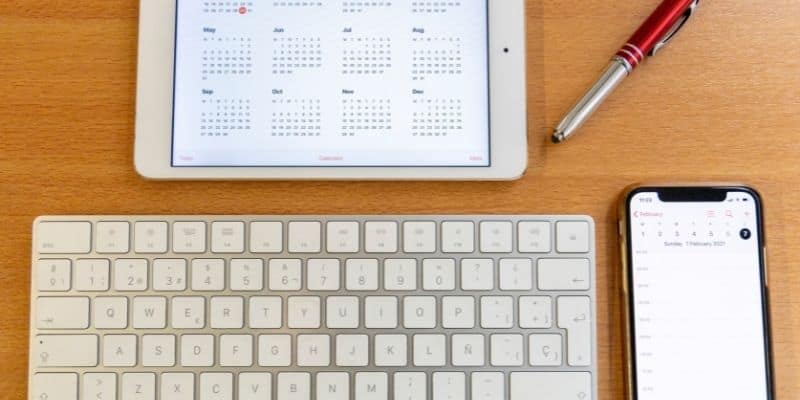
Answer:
[(558, 137)]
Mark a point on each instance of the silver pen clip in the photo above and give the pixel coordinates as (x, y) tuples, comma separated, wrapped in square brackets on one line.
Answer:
[(678, 25)]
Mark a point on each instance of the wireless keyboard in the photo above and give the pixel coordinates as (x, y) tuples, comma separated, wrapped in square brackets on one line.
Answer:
[(305, 307)]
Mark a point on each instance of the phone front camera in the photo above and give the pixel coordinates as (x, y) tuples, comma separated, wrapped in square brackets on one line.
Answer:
[(745, 234)]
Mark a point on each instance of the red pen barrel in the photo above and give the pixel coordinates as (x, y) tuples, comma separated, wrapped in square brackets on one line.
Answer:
[(653, 30)]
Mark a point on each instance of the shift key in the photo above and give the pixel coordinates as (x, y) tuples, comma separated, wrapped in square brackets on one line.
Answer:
[(65, 351)]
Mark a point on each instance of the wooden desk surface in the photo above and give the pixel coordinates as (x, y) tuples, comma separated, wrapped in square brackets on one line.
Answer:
[(721, 103)]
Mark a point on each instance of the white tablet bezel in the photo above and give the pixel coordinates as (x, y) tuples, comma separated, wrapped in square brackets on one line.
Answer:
[(509, 155)]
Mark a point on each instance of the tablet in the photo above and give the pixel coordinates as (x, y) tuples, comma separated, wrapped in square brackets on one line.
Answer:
[(331, 89)]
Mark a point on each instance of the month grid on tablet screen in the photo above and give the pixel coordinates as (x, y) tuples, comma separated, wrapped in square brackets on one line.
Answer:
[(331, 83)]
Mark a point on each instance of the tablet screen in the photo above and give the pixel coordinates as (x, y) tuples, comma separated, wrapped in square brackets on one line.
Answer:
[(316, 83)]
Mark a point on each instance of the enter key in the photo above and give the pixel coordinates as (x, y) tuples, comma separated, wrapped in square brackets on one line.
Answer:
[(575, 315)]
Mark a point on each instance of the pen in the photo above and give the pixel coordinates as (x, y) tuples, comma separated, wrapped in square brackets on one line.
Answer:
[(654, 34)]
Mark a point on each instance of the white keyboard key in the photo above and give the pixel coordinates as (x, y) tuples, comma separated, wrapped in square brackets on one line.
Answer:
[(323, 274), (119, 350), (294, 386), (372, 386), (488, 385), (53, 275), (342, 312), (449, 386), (458, 312), (208, 274), (496, 237), (352, 350), (516, 274), (380, 312), (407, 386), (506, 350), (189, 237), (419, 312), (65, 351), (458, 237), (533, 237), (255, 386), (467, 350), (227, 237), (342, 237), (169, 275), (62, 312), (535, 312), (247, 275), (544, 350), (438, 274), (235, 350), (227, 312), (285, 274), (361, 274), (477, 274), (216, 386), (150, 237), (266, 237), (92, 275), (551, 385), (575, 315), (177, 386), (110, 312), (429, 350), (304, 237), (265, 312), (400, 274), (112, 237), (313, 350), (333, 386), (304, 312), (99, 386), (138, 386), (63, 237), (274, 350), (158, 350), (188, 312), (419, 237), (130, 275), (61, 386), (390, 350), (149, 312), (380, 237), (572, 237), (197, 350), (563, 274), (497, 312)]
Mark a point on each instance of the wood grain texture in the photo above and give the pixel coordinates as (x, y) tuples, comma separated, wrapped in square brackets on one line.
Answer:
[(721, 103)]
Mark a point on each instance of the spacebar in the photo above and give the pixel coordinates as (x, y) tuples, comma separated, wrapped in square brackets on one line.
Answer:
[(551, 385)]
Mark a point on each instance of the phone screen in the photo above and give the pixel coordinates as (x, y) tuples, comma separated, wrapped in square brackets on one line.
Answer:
[(696, 290)]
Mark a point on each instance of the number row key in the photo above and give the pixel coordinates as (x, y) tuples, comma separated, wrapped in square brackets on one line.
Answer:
[(211, 274)]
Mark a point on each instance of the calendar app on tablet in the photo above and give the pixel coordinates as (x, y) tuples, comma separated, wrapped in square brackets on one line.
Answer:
[(285, 83)]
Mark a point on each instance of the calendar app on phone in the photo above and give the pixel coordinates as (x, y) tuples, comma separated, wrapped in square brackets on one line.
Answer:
[(697, 312)]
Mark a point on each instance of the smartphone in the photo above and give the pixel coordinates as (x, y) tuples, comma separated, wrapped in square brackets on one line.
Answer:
[(695, 287)]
